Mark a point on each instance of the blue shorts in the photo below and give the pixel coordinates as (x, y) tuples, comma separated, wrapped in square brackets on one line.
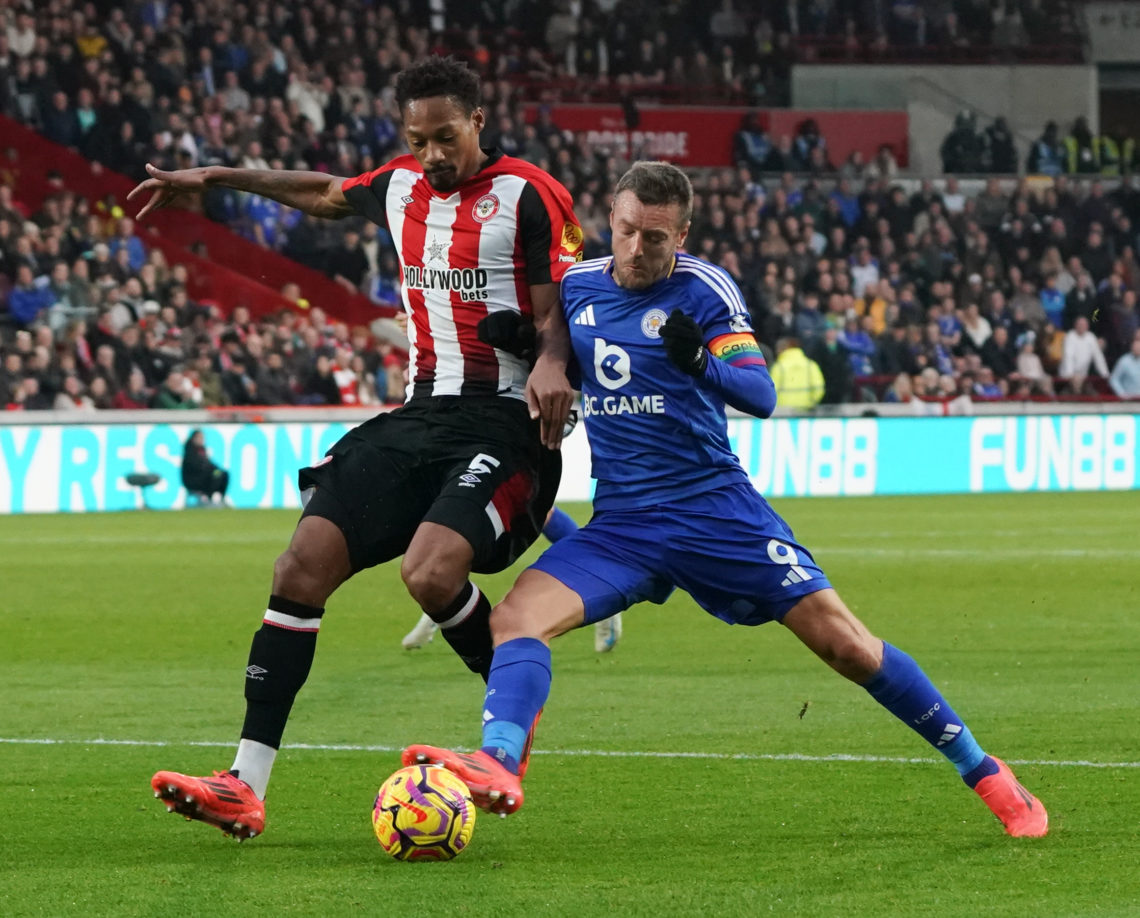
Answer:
[(726, 548)]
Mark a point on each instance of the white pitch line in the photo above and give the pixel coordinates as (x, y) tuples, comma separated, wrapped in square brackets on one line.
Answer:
[(865, 551), (577, 753)]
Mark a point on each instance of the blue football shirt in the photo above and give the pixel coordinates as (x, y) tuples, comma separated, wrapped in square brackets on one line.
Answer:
[(655, 433)]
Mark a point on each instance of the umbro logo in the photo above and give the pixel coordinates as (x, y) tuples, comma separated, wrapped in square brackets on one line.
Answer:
[(253, 671), (586, 316)]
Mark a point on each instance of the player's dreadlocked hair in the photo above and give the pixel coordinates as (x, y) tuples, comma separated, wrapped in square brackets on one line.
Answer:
[(439, 76), (659, 183)]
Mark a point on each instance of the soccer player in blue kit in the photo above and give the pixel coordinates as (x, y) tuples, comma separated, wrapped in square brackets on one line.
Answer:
[(664, 343)]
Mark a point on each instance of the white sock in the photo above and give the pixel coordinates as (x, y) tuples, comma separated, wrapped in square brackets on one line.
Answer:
[(253, 763)]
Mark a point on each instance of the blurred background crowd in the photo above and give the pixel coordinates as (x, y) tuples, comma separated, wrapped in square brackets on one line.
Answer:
[(886, 286)]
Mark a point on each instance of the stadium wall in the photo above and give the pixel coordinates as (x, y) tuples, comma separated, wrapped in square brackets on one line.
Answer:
[(1028, 95), (81, 467)]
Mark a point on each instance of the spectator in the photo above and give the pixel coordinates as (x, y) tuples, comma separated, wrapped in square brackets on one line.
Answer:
[(73, 396), (1120, 325), (11, 378), (321, 387), (884, 165), (333, 116), (1000, 150), (61, 123), (1047, 156), (901, 390), (856, 341), (1081, 301), (893, 354), (274, 385), (1118, 152), (1053, 301), (30, 396), (134, 395), (835, 366), (962, 150), (1081, 153), (1125, 379), (125, 238), (173, 393), (201, 476), (751, 144), (986, 386), (1097, 256), (864, 271), (30, 297), (809, 321), (999, 353), (991, 205), (809, 147), (1081, 356), (347, 263), (1031, 376), (206, 382), (798, 379)]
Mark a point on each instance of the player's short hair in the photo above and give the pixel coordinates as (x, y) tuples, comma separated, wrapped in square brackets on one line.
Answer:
[(439, 76), (659, 183)]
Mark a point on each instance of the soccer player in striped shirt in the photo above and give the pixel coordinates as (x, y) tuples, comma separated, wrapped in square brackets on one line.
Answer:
[(461, 477), (664, 342)]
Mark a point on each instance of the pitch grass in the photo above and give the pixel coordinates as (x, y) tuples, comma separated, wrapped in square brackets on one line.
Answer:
[(135, 626)]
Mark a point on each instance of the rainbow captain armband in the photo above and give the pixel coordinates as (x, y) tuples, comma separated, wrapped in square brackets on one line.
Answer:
[(739, 349)]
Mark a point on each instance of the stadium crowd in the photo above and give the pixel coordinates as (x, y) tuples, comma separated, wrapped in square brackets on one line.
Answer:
[(1012, 292)]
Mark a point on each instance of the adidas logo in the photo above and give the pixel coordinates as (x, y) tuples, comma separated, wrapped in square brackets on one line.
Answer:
[(949, 732), (796, 574), (487, 715), (586, 316), (253, 671)]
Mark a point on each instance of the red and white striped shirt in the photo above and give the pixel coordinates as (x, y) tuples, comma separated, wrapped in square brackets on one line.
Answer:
[(465, 253)]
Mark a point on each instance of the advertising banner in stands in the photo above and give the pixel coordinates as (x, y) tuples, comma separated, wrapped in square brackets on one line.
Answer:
[(82, 468), (695, 136)]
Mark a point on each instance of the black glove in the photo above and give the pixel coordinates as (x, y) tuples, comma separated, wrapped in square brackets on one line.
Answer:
[(571, 422), (685, 343), (508, 331)]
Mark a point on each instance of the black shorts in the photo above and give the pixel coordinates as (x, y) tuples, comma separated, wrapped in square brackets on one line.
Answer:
[(473, 464)]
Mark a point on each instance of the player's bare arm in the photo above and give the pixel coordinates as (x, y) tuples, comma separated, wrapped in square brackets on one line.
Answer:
[(548, 391), (314, 193)]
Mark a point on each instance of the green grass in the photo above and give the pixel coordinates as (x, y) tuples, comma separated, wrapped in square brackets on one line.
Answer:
[(135, 627)]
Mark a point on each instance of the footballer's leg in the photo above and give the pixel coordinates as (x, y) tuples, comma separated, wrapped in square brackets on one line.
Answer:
[(607, 632), (537, 609), (281, 654), (613, 562), (436, 570), (824, 623), (492, 500)]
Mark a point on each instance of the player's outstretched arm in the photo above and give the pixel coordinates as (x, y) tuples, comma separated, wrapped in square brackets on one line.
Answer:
[(738, 374), (548, 391), (314, 193)]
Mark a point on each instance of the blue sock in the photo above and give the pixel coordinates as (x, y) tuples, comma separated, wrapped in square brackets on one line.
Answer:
[(517, 689), (904, 689), (559, 525)]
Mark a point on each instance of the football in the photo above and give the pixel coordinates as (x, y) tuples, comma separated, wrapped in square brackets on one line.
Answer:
[(423, 812)]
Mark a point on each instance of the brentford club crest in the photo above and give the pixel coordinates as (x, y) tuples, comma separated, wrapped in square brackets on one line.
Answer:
[(485, 208)]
